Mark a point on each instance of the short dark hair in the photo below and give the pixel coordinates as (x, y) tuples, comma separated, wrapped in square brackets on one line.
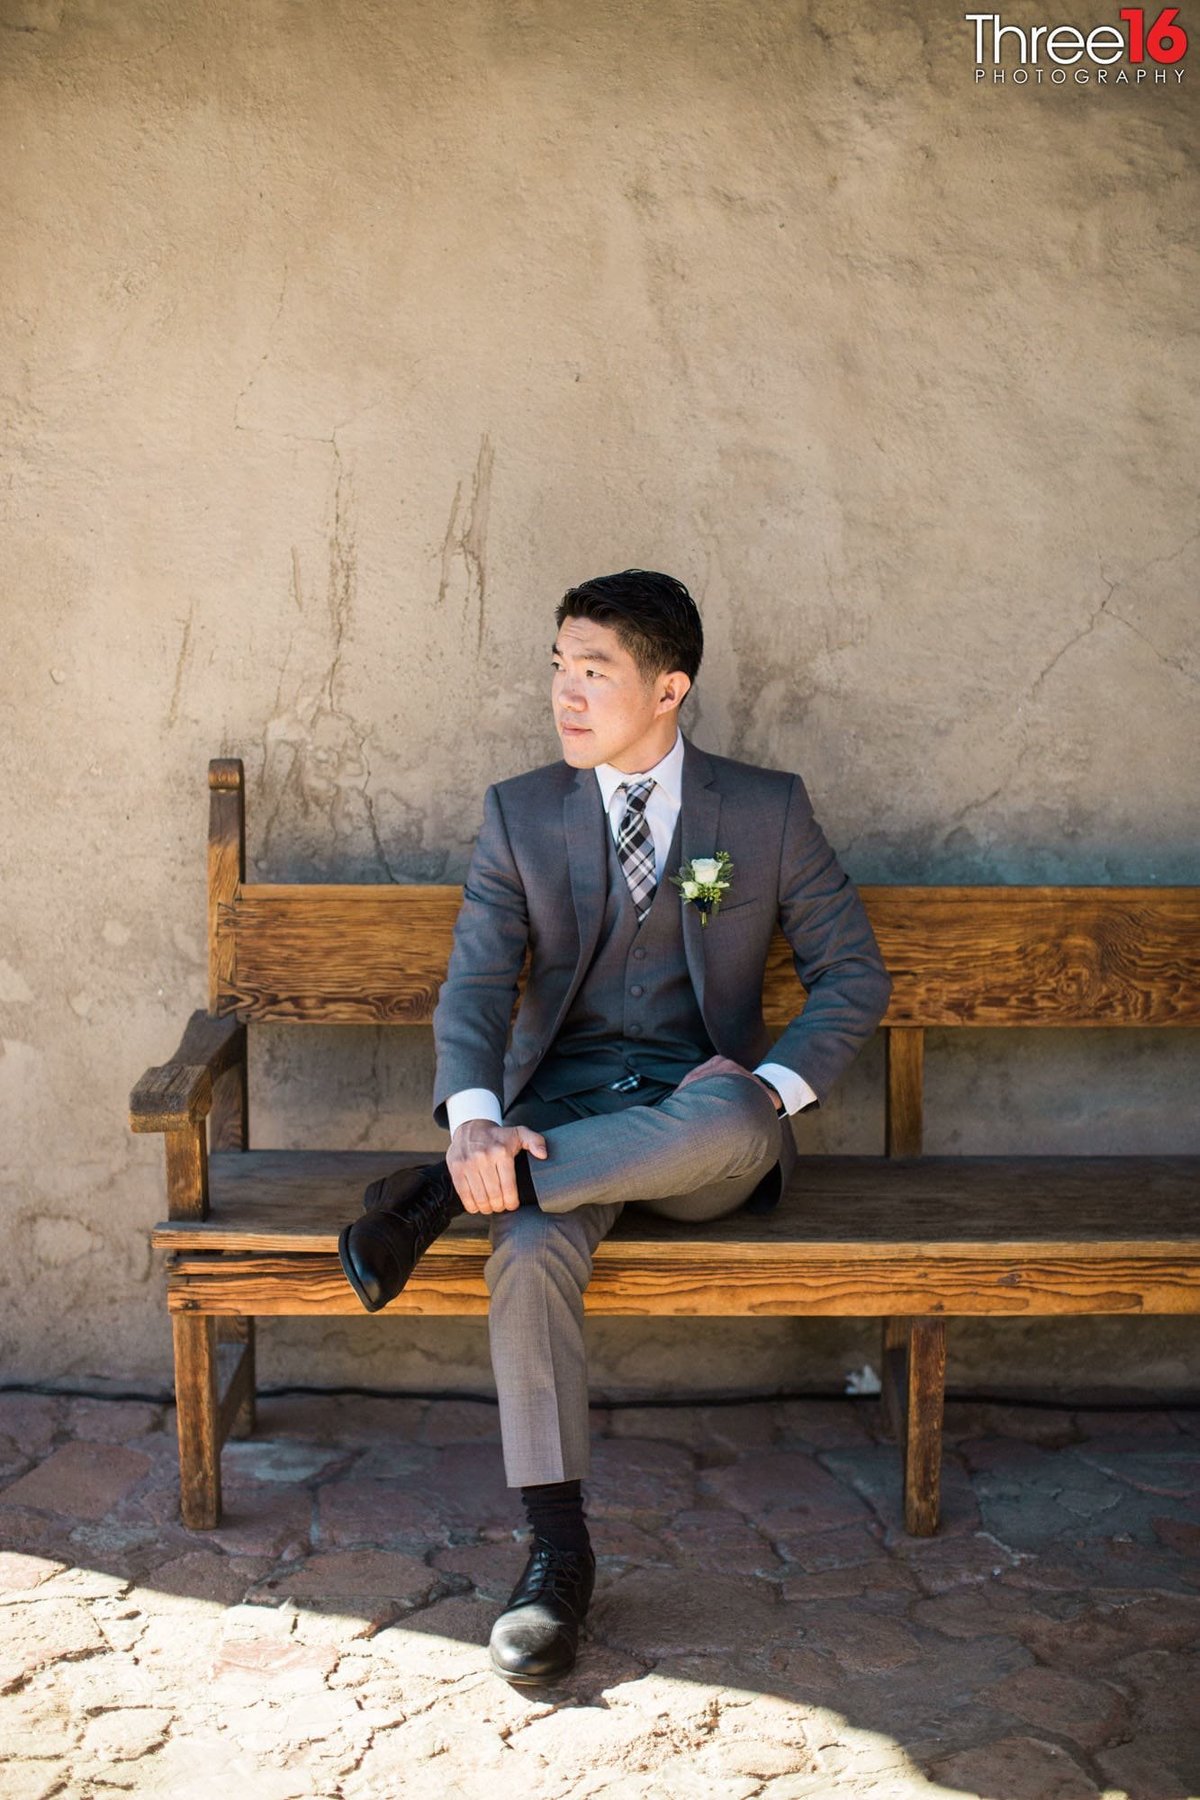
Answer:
[(653, 615)]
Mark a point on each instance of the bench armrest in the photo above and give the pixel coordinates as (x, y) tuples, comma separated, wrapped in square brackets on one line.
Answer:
[(179, 1092)]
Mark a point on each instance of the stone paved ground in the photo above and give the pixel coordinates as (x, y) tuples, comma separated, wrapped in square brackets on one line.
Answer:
[(761, 1625)]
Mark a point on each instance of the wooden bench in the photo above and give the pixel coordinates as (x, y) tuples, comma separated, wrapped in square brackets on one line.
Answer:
[(909, 1239)]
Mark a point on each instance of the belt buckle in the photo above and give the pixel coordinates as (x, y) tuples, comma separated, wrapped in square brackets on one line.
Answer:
[(626, 1085)]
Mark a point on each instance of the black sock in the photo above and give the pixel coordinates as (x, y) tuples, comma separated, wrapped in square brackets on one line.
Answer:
[(525, 1188), (442, 1172), (555, 1511)]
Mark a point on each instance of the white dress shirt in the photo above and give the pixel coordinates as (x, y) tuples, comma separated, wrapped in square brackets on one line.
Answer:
[(662, 812)]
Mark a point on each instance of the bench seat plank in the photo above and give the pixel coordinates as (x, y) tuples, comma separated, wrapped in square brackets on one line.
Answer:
[(996, 1209)]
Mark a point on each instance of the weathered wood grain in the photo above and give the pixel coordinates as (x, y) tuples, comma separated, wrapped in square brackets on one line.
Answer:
[(212, 1043), (995, 1207), (893, 1377), (181, 1089), (236, 1389), (1040, 956), (229, 1115), (923, 1434), (905, 1090), (236, 1340), (197, 1420), (995, 956), (849, 1285), (169, 1097), (187, 1173), (340, 955), (226, 863)]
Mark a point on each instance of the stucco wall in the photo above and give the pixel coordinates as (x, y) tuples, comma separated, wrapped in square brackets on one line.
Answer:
[(341, 337)]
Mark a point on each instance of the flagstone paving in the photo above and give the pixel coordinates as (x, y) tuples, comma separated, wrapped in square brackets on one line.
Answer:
[(761, 1627)]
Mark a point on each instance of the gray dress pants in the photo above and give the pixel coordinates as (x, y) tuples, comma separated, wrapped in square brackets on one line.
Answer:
[(691, 1156)]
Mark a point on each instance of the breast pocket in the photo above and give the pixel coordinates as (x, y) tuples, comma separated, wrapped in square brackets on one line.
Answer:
[(741, 908)]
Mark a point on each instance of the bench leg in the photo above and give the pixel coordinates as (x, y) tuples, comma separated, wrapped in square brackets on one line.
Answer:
[(913, 1383), (893, 1379), (923, 1438), (197, 1420), (242, 1420)]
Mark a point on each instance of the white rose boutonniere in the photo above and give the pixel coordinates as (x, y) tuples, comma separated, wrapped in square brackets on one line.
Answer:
[(705, 881)]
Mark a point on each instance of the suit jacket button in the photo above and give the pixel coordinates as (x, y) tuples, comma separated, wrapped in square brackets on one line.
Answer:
[(636, 991), (640, 952), (635, 1031)]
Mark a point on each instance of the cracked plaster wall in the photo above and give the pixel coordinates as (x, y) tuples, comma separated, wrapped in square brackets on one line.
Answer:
[(340, 338)]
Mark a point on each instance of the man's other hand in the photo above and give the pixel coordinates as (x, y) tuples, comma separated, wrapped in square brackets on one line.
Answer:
[(480, 1161), (723, 1065)]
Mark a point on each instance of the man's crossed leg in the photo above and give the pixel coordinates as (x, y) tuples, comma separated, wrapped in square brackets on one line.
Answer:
[(692, 1153)]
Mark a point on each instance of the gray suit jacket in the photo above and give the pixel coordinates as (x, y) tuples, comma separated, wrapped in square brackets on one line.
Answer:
[(537, 881)]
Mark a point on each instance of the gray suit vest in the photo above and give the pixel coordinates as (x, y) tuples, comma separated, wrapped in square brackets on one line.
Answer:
[(635, 1009)]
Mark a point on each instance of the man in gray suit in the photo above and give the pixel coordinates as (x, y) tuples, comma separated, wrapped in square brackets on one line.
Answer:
[(644, 878)]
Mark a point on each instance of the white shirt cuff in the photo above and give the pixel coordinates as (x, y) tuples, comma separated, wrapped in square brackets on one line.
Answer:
[(792, 1089), (472, 1103)]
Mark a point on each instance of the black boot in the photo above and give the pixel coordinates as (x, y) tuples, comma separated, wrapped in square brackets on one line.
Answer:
[(535, 1638), (403, 1214)]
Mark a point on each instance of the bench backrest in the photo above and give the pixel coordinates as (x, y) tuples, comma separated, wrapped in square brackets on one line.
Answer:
[(959, 956)]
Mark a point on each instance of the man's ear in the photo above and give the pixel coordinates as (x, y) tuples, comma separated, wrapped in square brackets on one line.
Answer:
[(672, 690)]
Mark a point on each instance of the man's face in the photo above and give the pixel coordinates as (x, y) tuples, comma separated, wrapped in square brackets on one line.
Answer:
[(604, 711)]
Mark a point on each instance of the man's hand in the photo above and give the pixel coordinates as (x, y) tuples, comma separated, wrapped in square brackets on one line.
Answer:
[(480, 1161), (723, 1065)]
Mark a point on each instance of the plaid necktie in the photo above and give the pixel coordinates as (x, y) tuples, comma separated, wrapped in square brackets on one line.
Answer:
[(635, 846)]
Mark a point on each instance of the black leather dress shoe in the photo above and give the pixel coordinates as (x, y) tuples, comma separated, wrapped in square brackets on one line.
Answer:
[(403, 1213), (536, 1636)]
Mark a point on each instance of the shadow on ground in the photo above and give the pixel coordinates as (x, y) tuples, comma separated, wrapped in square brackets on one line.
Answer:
[(762, 1625)]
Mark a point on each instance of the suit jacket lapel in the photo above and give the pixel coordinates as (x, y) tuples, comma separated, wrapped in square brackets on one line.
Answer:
[(700, 821), (583, 825)]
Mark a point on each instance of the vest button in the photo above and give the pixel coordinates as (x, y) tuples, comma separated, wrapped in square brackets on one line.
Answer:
[(639, 952), (637, 991), (635, 1030)]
